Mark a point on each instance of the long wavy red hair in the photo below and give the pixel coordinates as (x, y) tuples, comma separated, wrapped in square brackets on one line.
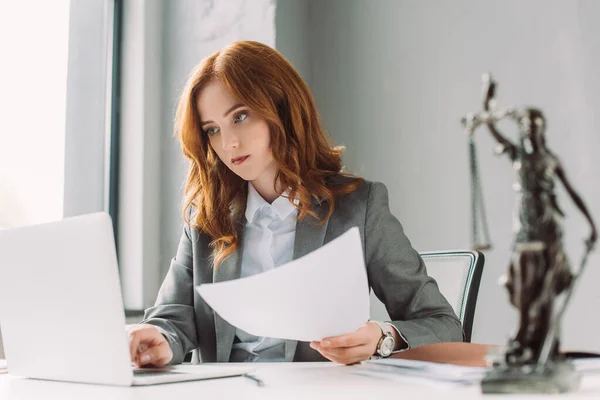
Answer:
[(262, 79)]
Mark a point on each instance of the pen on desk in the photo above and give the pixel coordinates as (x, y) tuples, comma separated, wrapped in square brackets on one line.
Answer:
[(254, 379)]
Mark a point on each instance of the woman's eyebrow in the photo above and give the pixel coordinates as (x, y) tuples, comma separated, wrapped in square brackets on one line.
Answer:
[(229, 111)]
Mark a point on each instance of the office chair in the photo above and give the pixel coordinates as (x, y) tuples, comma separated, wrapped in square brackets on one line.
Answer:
[(458, 274)]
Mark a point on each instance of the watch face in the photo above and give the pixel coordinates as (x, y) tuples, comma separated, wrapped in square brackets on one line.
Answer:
[(387, 346)]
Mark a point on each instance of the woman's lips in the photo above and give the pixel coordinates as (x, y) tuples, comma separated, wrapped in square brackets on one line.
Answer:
[(239, 160)]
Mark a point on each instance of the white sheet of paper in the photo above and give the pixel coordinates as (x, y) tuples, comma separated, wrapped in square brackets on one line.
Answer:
[(325, 293), (428, 369)]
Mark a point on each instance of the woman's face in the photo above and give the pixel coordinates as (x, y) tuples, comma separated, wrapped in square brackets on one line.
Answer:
[(238, 135)]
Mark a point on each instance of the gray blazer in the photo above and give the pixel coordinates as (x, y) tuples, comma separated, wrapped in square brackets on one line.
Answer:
[(395, 271)]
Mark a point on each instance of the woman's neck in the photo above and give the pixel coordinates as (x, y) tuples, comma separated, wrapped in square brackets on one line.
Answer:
[(266, 189)]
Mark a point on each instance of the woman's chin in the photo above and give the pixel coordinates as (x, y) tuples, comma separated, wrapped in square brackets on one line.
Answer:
[(245, 176)]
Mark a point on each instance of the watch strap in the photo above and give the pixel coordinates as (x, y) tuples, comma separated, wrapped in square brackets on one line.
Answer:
[(386, 331)]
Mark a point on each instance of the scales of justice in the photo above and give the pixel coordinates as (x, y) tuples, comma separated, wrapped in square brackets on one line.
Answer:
[(539, 279)]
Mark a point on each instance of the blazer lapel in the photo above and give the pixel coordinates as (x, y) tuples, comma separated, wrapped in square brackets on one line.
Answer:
[(309, 237), (229, 269)]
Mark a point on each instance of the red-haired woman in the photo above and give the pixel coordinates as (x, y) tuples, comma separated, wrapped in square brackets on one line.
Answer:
[(265, 186)]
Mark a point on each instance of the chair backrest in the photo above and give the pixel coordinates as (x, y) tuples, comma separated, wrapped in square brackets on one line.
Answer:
[(458, 274)]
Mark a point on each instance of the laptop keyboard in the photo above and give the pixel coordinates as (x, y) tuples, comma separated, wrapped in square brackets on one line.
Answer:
[(152, 372)]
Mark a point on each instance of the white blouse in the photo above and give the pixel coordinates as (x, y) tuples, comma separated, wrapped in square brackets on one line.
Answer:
[(268, 243)]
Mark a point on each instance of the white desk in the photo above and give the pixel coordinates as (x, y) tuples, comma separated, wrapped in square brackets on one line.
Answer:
[(282, 381)]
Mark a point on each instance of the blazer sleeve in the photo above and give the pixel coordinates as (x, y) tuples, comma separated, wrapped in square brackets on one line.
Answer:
[(399, 279), (173, 313)]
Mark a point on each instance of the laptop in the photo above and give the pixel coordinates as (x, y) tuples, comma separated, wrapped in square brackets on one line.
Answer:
[(61, 307)]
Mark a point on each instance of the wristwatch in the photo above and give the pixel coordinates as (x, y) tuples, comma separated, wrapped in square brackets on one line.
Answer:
[(386, 343)]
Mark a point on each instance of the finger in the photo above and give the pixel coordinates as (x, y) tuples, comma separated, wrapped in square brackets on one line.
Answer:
[(360, 337), (142, 348), (156, 356), (317, 347), (134, 341), (353, 361), (138, 336), (343, 355), (345, 352), (347, 355), (345, 361), (348, 361), (325, 354)]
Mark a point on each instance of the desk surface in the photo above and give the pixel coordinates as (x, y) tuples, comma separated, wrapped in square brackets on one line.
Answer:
[(286, 381)]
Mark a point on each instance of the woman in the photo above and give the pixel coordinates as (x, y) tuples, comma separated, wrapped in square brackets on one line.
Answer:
[(265, 187)]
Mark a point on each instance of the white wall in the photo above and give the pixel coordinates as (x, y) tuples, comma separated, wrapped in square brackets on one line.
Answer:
[(392, 80)]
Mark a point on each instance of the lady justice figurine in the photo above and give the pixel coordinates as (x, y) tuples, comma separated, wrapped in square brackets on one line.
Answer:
[(539, 270)]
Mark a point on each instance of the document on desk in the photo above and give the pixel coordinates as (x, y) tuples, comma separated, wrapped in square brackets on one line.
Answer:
[(325, 293), (427, 370)]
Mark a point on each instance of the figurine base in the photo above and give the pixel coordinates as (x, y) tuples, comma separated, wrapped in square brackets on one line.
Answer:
[(555, 377)]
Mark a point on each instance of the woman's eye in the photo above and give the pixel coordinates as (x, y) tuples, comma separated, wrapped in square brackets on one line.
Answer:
[(211, 131), (240, 117)]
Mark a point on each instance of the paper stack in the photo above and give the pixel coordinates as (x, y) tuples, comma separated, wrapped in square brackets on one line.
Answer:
[(435, 371), (448, 373)]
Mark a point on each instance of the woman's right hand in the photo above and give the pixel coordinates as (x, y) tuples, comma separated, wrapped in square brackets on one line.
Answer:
[(148, 346)]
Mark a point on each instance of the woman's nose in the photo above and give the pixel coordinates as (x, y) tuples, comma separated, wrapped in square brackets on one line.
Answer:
[(229, 141)]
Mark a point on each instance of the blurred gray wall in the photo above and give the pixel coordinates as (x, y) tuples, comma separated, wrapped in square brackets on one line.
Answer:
[(292, 37), (392, 80)]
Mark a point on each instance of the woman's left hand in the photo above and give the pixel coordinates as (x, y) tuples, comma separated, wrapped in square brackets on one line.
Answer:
[(352, 347)]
